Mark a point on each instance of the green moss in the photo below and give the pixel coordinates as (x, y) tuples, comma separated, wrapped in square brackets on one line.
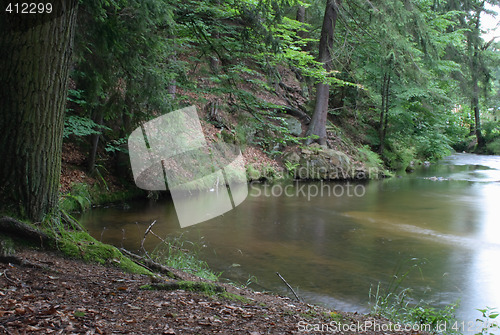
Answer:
[(192, 286), (338, 318), (311, 313), (83, 246), (235, 297)]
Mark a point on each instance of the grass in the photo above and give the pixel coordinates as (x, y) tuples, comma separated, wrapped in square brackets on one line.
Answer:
[(397, 304), (191, 286), (179, 253), (82, 196)]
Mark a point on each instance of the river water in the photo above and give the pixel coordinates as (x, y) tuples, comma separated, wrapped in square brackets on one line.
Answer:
[(333, 242)]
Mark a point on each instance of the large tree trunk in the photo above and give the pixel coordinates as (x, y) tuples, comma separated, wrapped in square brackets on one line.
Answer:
[(35, 52), (318, 122)]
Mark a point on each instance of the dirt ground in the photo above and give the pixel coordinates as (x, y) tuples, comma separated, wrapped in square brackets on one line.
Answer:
[(51, 294)]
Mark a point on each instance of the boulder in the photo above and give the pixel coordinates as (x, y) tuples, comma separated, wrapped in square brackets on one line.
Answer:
[(317, 162), (294, 126)]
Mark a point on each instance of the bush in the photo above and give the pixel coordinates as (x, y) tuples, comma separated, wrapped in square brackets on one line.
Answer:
[(399, 155), (493, 147)]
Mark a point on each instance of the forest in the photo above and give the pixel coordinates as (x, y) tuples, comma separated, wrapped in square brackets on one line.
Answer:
[(360, 86), (391, 84)]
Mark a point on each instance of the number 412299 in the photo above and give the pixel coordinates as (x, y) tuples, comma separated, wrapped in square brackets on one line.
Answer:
[(29, 8)]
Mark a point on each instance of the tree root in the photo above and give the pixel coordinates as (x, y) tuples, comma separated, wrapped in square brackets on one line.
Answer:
[(18, 229)]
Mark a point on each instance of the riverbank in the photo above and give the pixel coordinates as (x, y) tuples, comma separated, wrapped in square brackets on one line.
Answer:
[(48, 293)]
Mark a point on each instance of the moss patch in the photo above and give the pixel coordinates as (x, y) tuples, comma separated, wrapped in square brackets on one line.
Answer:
[(235, 297), (83, 246), (192, 286)]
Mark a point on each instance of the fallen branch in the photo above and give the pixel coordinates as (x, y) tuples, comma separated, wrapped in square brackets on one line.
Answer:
[(291, 289), (150, 264)]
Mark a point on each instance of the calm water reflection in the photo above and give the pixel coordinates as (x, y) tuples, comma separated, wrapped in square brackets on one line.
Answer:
[(334, 248)]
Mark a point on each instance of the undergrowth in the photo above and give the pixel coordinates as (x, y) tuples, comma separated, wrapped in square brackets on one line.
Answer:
[(397, 304), (179, 253)]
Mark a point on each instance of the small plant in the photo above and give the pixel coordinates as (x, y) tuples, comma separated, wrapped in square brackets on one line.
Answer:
[(78, 198), (398, 305), (489, 321), (291, 168), (251, 280), (179, 253)]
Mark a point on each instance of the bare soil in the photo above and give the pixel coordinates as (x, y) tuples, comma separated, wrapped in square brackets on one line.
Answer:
[(50, 294)]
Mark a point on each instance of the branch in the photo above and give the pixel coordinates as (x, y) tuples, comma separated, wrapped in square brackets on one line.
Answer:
[(291, 289), (152, 265)]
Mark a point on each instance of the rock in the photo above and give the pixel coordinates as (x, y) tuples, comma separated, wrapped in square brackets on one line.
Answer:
[(319, 162), (294, 126), (291, 157)]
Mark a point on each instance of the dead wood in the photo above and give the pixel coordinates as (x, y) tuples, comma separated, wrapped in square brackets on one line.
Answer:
[(150, 264)]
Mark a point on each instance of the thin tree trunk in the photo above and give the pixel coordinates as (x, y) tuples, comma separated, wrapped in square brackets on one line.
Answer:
[(301, 17), (35, 59), (94, 142), (384, 110), (474, 36), (318, 122)]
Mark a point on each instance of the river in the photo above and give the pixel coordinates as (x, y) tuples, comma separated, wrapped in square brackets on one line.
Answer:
[(333, 242)]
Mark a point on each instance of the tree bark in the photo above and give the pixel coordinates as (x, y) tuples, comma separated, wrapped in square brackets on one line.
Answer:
[(35, 52), (475, 80), (94, 141), (384, 110), (318, 122)]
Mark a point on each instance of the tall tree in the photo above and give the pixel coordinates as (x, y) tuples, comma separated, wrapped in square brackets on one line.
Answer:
[(474, 41), (318, 122), (35, 52)]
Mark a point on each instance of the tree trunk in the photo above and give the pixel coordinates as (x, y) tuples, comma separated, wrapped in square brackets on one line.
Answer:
[(384, 111), (475, 40), (94, 141), (301, 17), (318, 122), (35, 52)]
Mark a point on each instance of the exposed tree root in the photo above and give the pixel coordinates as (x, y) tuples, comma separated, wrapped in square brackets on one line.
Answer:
[(15, 228)]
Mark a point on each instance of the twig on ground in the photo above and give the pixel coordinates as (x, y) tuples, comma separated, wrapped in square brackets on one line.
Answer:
[(150, 264), (291, 289)]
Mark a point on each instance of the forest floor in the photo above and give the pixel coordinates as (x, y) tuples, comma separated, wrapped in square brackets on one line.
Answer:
[(51, 294)]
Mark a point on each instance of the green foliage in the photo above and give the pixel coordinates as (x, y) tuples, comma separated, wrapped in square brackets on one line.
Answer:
[(491, 130), (78, 198), (81, 126), (489, 321), (369, 158), (179, 253), (291, 168), (494, 147), (396, 303), (432, 146), (399, 155)]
